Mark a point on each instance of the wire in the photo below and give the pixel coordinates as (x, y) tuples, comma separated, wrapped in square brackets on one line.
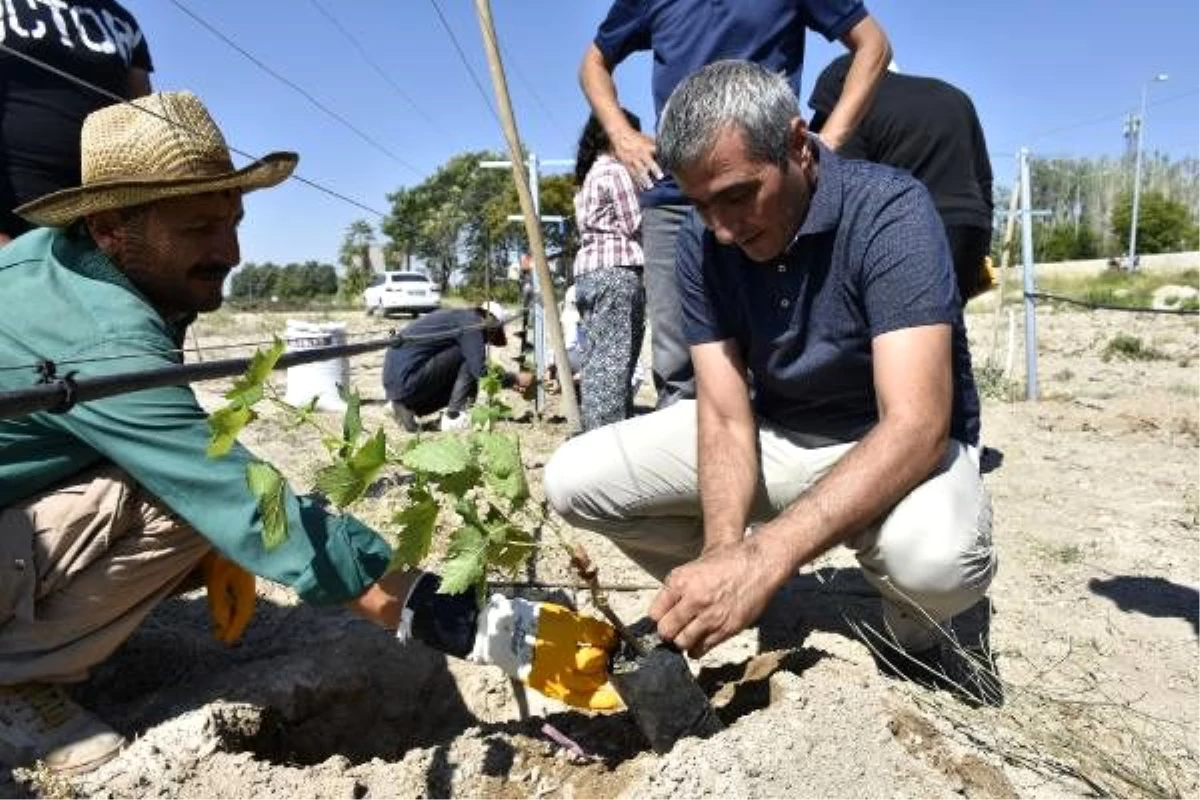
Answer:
[(118, 98), (1106, 118), (326, 109), (366, 56), (537, 98), (462, 56)]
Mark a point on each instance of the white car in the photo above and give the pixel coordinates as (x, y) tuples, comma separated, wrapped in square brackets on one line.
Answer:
[(401, 291)]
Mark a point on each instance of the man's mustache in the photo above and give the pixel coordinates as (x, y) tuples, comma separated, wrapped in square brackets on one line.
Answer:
[(211, 269)]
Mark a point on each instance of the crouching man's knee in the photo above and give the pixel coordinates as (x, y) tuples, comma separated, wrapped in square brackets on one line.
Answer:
[(935, 548), (564, 481)]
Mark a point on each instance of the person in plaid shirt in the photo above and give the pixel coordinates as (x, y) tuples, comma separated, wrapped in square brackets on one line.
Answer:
[(608, 277)]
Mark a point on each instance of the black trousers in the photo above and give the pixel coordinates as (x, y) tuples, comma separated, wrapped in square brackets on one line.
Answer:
[(442, 382)]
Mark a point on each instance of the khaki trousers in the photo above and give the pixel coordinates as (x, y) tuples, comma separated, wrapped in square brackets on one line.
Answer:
[(80, 568), (636, 483)]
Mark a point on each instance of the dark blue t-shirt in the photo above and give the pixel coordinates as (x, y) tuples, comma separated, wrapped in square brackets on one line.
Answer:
[(458, 328), (685, 35), (871, 257)]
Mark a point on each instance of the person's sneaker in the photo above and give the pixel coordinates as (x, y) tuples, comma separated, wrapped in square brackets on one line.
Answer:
[(961, 663), (964, 672), (455, 421), (39, 722), (404, 416)]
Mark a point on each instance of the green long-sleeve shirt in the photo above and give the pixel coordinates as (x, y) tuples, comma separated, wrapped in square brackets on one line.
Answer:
[(65, 301)]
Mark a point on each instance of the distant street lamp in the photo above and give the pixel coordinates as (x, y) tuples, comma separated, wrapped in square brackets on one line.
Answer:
[(1131, 264)]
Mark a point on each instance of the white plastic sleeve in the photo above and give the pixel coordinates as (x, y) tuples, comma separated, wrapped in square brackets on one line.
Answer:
[(506, 635)]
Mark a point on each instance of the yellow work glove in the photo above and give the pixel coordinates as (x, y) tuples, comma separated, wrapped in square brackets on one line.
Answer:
[(987, 275), (231, 596), (550, 648)]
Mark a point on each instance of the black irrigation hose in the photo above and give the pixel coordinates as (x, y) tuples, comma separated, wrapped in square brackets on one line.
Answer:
[(199, 351), (61, 392), (1106, 307)]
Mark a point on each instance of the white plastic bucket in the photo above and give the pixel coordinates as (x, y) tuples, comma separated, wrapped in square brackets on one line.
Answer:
[(319, 379)]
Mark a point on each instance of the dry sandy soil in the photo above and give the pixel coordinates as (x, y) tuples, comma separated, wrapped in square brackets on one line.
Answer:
[(1095, 628)]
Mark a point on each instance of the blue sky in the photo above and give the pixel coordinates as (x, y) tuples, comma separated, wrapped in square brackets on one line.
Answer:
[(1057, 76)]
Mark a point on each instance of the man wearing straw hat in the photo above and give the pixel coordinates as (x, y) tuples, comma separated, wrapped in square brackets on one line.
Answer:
[(107, 507)]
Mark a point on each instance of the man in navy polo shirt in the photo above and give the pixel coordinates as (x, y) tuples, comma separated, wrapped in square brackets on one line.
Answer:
[(684, 35), (834, 398)]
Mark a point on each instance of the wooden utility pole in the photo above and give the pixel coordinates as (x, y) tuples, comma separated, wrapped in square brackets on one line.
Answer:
[(533, 225)]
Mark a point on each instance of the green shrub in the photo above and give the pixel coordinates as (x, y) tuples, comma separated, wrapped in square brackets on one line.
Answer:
[(1130, 348)]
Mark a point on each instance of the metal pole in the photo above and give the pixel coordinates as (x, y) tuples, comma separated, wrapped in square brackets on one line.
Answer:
[(1031, 379), (539, 324), (1131, 264), (1137, 172), (539, 319)]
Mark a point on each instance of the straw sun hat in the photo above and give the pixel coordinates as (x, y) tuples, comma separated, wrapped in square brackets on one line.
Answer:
[(158, 146)]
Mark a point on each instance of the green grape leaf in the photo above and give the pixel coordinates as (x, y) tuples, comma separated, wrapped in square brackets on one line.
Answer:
[(466, 560), (484, 417), (459, 483), (225, 424), (339, 483), (344, 481), (416, 523), (509, 547), (371, 456), (304, 415), (248, 387), (444, 455), (267, 486), (490, 383), (352, 419), (502, 468)]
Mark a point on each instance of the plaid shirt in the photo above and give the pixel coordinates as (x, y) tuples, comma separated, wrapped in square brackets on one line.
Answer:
[(609, 219)]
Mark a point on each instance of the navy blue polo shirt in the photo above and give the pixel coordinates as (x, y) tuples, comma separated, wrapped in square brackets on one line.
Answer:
[(871, 257), (685, 35)]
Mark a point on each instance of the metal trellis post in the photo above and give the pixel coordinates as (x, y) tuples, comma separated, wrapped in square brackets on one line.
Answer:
[(1031, 380)]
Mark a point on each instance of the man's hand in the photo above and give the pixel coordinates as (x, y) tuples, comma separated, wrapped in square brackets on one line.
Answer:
[(717, 596), (552, 649), (636, 151), (231, 596)]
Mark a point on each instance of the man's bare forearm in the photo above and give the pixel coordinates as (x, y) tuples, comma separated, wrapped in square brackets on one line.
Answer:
[(728, 472), (596, 80), (872, 53)]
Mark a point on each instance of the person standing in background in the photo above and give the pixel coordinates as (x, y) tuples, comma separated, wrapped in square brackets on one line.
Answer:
[(41, 112), (608, 276), (931, 129), (685, 35)]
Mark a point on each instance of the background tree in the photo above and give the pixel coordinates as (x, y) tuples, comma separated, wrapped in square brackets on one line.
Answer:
[(256, 284), (1164, 225), (1064, 242), (355, 257), (456, 221)]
